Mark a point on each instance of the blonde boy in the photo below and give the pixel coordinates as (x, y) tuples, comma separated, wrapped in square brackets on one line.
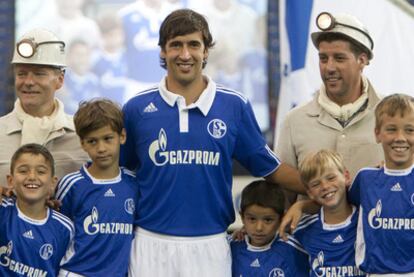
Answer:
[(328, 236), (385, 196)]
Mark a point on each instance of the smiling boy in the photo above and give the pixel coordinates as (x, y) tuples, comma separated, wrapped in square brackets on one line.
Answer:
[(33, 237)]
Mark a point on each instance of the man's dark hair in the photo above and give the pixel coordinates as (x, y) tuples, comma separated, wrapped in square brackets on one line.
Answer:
[(183, 22), (356, 47)]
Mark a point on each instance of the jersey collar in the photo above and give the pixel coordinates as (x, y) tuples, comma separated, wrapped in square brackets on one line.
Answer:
[(204, 102)]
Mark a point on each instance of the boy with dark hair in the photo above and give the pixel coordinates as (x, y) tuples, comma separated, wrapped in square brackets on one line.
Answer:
[(33, 237), (262, 253), (100, 197)]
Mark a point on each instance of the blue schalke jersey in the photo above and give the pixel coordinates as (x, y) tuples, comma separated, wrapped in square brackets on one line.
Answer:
[(183, 157), (331, 247), (103, 212), (275, 259), (30, 247), (385, 239)]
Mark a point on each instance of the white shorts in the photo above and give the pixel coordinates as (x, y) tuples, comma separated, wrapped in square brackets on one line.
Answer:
[(158, 255), (65, 273), (392, 275)]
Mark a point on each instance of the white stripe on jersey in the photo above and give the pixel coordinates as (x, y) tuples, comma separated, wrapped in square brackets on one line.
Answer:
[(294, 243), (128, 172), (306, 221), (150, 90), (272, 153), (65, 221), (231, 92), (66, 183)]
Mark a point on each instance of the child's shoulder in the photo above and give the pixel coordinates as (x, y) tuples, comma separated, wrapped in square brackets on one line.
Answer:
[(62, 220), (307, 221), (369, 171), (128, 173)]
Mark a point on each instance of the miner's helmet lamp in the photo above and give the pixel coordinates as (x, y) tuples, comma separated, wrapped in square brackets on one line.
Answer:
[(344, 24), (40, 47)]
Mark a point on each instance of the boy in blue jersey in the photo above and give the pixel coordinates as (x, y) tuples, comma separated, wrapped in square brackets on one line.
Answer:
[(33, 237), (262, 253), (385, 196), (100, 197), (328, 236), (182, 138)]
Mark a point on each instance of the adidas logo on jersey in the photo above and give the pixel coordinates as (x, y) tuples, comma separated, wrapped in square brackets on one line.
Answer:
[(255, 263), (150, 108), (396, 187), (338, 239), (109, 193), (28, 234)]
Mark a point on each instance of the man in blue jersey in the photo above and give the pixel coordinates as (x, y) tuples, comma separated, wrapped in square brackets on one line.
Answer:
[(33, 237), (100, 197), (262, 253), (182, 137), (385, 196), (328, 236)]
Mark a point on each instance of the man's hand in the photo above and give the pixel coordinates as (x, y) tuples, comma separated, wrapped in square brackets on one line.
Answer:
[(238, 235), (290, 220), (5, 192), (54, 204)]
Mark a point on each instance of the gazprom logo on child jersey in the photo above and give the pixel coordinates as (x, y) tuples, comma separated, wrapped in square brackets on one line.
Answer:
[(388, 223), (332, 271), (18, 267), (92, 226), (160, 156)]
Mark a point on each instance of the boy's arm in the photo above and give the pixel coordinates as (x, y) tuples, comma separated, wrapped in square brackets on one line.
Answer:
[(294, 214), (287, 177)]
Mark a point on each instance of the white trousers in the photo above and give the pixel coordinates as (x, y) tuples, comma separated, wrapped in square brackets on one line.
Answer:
[(392, 275), (157, 255), (65, 273)]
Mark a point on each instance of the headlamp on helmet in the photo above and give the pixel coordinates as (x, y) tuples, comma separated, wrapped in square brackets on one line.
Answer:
[(27, 47), (326, 21)]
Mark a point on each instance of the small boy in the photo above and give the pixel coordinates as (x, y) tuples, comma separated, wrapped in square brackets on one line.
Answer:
[(385, 196), (33, 238), (100, 197), (262, 253), (329, 236)]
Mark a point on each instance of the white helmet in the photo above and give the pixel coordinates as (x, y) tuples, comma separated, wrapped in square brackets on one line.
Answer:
[(347, 25), (40, 46)]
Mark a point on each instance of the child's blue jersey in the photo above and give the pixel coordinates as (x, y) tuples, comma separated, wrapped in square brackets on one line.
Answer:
[(183, 156), (331, 247), (275, 259), (31, 247), (385, 239), (103, 212)]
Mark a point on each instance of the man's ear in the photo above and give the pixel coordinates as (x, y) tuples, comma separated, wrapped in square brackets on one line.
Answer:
[(363, 60)]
